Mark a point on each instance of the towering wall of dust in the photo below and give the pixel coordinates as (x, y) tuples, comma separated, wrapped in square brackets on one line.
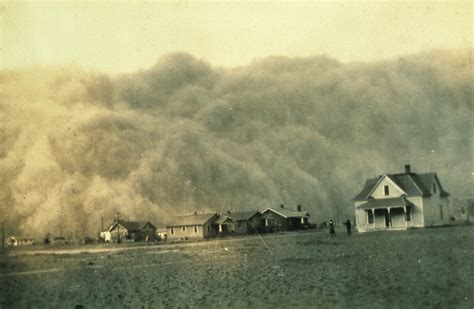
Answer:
[(76, 146)]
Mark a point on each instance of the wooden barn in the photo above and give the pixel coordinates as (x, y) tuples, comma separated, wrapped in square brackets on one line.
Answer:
[(284, 219), (196, 226)]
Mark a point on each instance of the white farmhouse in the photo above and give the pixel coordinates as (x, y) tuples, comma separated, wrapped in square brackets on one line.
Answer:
[(401, 201)]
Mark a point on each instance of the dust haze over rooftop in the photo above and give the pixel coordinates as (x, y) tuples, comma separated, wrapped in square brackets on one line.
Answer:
[(184, 135)]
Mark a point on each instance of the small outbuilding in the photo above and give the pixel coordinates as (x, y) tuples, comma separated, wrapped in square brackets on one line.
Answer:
[(105, 236), (147, 231), (462, 210), (161, 233)]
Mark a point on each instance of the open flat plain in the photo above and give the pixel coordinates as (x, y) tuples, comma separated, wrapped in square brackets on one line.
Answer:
[(425, 268)]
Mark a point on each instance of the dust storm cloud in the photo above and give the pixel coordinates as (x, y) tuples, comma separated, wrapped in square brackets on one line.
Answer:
[(183, 135)]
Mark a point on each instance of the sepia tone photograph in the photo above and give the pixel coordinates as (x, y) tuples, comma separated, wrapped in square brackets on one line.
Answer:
[(236, 154)]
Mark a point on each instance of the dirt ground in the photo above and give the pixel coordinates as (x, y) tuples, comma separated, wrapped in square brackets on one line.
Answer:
[(426, 268)]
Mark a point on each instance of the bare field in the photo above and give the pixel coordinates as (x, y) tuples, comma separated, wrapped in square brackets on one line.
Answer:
[(428, 268)]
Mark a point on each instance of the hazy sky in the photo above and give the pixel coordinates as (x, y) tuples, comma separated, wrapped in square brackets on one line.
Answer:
[(122, 37)]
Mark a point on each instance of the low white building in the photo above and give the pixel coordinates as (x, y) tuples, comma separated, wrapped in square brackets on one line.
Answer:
[(401, 201), (16, 241), (106, 236), (196, 226)]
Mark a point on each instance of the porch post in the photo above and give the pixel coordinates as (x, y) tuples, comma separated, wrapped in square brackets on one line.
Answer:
[(373, 218), (389, 217), (405, 216)]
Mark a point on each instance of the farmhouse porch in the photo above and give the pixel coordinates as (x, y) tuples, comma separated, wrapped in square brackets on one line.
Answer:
[(387, 214), (224, 225)]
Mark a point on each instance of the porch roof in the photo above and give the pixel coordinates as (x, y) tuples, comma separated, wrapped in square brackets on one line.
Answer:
[(285, 213), (386, 202), (131, 225), (243, 215)]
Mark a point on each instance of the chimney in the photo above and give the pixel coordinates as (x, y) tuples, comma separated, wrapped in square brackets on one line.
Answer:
[(407, 169), (298, 207), (282, 206)]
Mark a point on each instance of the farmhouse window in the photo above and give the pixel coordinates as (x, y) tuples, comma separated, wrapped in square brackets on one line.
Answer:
[(441, 211), (386, 190), (195, 229), (408, 215), (370, 216), (172, 231), (184, 229)]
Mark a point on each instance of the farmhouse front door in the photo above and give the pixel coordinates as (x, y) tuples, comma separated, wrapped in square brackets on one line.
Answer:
[(387, 219)]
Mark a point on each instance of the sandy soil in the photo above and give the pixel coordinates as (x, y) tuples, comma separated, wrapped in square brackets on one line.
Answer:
[(416, 269)]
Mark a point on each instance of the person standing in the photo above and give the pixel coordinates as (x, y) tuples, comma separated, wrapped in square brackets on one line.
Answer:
[(332, 231), (348, 227)]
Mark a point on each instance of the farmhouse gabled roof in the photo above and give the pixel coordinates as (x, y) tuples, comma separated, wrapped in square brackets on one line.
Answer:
[(243, 215), (427, 179), (413, 185), (131, 225), (386, 202), (223, 219), (142, 224), (409, 184), (368, 187), (287, 213), (196, 219)]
